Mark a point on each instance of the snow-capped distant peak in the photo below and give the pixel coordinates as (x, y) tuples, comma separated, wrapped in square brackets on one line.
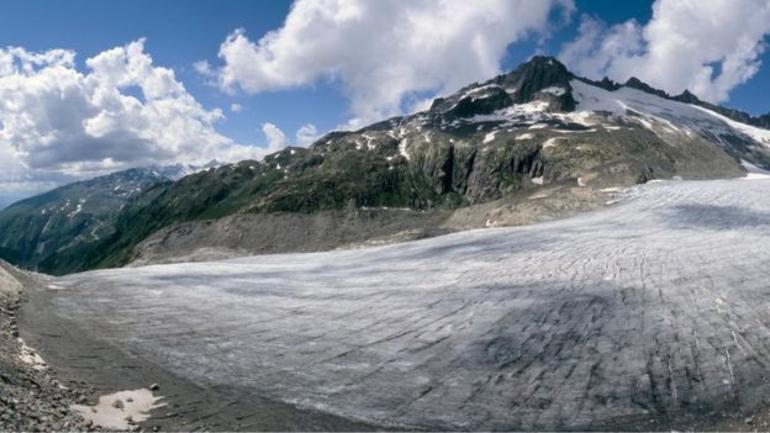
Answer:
[(662, 115), (178, 171)]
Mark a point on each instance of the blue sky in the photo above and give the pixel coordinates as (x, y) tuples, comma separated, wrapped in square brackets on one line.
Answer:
[(180, 33)]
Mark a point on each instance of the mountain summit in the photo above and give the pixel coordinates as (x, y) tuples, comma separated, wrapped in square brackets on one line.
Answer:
[(534, 143)]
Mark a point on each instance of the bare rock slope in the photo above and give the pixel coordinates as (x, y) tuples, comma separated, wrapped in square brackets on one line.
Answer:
[(529, 145), (30, 397)]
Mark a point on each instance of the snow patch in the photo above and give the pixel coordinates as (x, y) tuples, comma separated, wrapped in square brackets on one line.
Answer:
[(121, 409), (30, 357), (402, 148), (490, 137), (574, 131), (555, 90), (757, 134), (78, 209), (538, 196), (662, 115), (551, 142), (472, 92), (534, 108), (755, 172), (369, 139)]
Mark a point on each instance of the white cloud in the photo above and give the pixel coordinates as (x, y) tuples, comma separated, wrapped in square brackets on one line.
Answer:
[(307, 134), (58, 123), (708, 47), (277, 139), (204, 68), (236, 108), (384, 50)]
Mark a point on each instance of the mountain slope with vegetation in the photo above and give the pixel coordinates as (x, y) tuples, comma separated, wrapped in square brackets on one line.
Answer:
[(525, 145), (50, 231)]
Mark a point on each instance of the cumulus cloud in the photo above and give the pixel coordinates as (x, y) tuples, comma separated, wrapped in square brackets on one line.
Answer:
[(381, 51), (204, 68), (277, 139), (236, 108), (58, 123), (307, 134), (707, 47)]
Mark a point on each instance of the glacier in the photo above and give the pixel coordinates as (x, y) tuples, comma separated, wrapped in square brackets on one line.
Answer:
[(650, 310)]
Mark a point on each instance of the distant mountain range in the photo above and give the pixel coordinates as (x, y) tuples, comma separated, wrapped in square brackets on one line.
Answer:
[(48, 231), (9, 199), (532, 143)]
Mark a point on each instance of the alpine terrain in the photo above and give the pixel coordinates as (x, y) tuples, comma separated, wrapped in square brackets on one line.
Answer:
[(48, 232), (385, 215), (533, 144), (650, 314), (646, 312)]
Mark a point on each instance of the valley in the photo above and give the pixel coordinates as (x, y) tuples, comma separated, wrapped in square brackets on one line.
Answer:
[(385, 215), (538, 251), (534, 144), (648, 314)]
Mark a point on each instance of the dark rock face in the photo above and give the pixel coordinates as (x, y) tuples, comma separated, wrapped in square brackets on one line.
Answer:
[(687, 98), (514, 133), (483, 102), (762, 121), (532, 78), (540, 79), (638, 84), (608, 84)]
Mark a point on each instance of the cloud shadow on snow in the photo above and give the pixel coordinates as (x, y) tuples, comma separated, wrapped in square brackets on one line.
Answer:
[(713, 217)]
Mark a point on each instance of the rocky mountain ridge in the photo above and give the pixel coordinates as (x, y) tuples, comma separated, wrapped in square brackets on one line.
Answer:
[(761, 121), (42, 231), (523, 146)]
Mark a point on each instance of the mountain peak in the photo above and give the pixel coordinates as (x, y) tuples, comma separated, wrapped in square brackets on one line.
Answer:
[(687, 97), (544, 61), (540, 79), (547, 70), (638, 84)]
